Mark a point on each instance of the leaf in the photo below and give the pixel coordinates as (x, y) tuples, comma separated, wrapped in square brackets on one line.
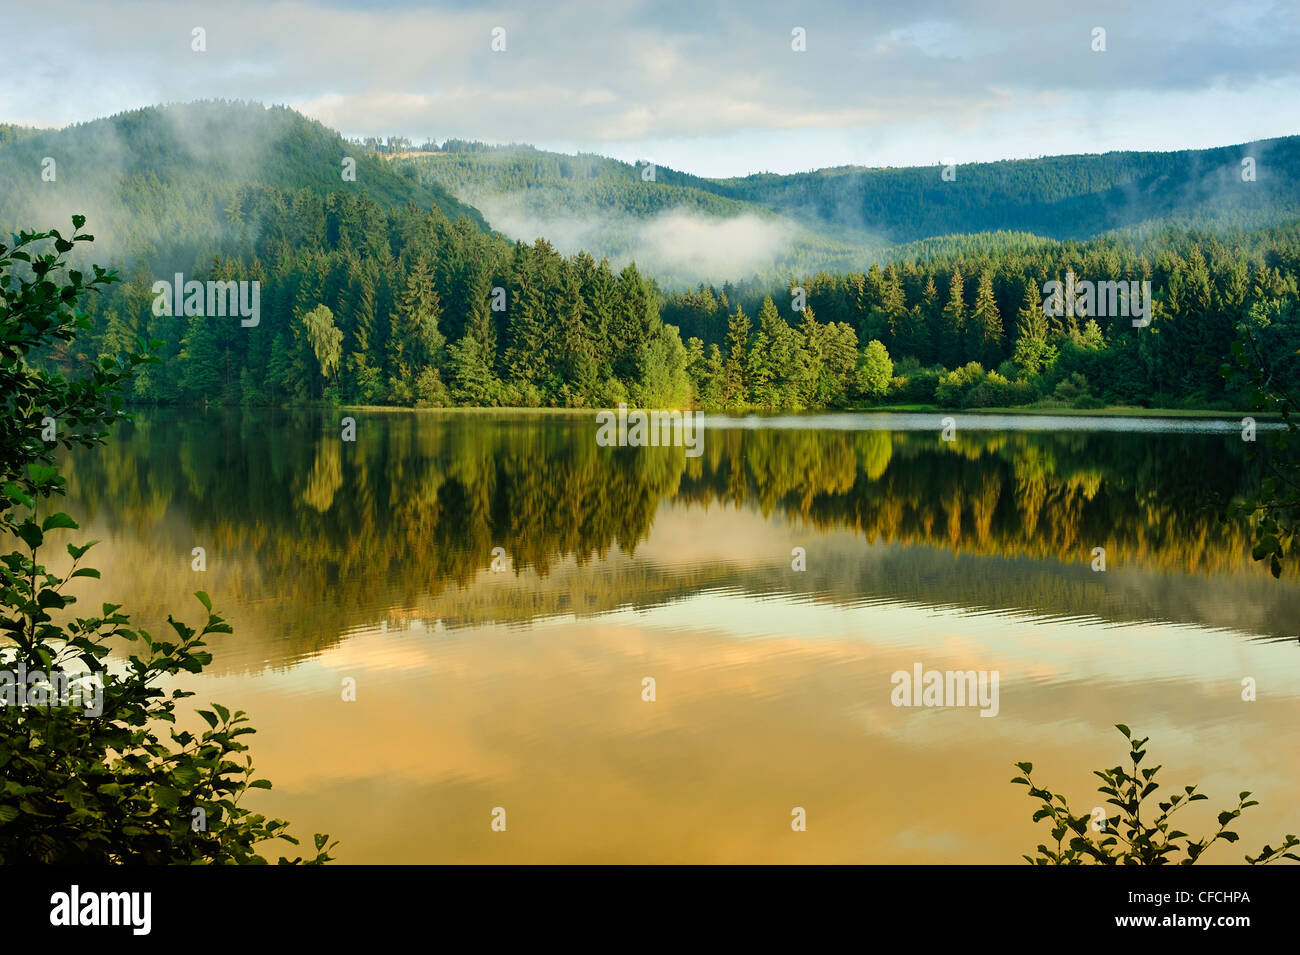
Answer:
[(166, 797), (40, 473), (30, 534), (58, 520), (1124, 729), (185, 775), (50, 598)]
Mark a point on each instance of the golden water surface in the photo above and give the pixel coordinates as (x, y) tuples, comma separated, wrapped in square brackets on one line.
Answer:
[(522, 688)]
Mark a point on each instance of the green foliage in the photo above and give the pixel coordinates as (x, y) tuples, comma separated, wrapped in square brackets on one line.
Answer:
[(735, 391), (916, 386), (1033, 353), (121, 785), (662, 379), (1125, 838), (875, 371), (325, 339), (952, 387)]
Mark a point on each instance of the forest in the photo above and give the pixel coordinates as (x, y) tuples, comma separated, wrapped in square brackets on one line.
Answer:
[(362, 304), (1061, 197), (388, 288)]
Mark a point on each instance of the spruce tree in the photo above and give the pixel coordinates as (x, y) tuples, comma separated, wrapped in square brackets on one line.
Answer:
[(987, 323), (951, 350), (735, 392)]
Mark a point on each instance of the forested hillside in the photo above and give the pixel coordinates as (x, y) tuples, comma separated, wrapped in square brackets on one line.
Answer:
[(965, 321), (370, 304), (387, 290), (842, 218), (1058, 196), (677, 227), (363, 304), (170, 186)]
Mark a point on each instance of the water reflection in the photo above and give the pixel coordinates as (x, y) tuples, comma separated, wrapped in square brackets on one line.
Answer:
[(522, 688)]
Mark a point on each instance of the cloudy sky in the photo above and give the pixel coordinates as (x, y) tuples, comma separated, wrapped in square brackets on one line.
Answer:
[(711, 88)]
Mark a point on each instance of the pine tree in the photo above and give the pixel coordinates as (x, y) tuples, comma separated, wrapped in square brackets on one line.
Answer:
[(987, 323), (416, 344), (735, 392), (839, 362), (472, 360), (716, 377), (525, 318), (951, 350), (772, 360), (200, 361), (631, 324), (1033, 353), (578, 368), (809, 374), (893, 303)]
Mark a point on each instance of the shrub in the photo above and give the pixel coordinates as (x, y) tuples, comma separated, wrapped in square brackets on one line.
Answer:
[(1125, 839), (1072, 388), (953, 386), (994, 391), (916, 387), (120, 785)]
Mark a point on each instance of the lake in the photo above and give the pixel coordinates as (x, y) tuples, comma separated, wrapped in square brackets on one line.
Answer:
[(500, 590)]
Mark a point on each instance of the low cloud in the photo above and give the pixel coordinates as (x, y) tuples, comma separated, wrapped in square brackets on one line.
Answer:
[(898, 81), (676, 246), (687, 244)]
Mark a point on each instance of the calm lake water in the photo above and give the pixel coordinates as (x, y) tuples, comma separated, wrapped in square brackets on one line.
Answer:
[(522, 688)]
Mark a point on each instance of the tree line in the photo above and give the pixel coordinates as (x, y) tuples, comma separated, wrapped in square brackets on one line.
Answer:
[(362, 303)]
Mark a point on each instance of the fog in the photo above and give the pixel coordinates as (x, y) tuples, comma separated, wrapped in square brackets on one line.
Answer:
[(676, 246)]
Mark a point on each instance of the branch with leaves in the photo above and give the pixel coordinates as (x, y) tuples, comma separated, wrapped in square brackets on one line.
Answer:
[(78, 786), (1125, 839)]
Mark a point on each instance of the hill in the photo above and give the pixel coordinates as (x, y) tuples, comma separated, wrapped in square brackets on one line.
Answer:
[(685, 229), (169, 186), (1061, 197), (677, 227)]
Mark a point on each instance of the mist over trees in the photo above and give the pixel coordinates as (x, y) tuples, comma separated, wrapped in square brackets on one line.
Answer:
[(403, 306), (386, 288)]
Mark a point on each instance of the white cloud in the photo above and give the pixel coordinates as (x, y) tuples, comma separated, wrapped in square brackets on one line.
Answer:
[(908, 79)]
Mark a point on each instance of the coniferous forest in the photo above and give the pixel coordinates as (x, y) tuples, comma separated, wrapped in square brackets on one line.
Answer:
[(402, 306), (383, 288)]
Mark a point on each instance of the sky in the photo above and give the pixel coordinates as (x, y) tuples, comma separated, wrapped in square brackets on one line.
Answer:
[(715, 89)]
